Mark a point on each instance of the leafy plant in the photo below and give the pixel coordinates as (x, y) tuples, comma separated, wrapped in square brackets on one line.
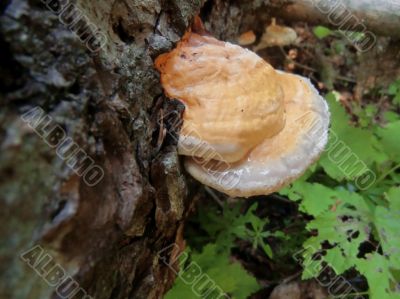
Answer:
[(353, 197), (347, 216), (322, 32), (223, 229), (222, 275), (394, 90)]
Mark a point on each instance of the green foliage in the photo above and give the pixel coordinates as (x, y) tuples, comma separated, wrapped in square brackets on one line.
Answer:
[(223, 228), (394, 90), (229, 276), (391, 116), (347, 217), (389, 138), (366, 114), (353, 225), (234, 225), (322, 32), (349, 146)]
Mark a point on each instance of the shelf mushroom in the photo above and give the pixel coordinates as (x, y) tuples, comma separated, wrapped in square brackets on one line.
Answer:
[(247, 128)]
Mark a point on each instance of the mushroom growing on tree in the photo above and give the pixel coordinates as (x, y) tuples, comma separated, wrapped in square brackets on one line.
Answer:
[(276, 35), (247, 128), (247, 38)]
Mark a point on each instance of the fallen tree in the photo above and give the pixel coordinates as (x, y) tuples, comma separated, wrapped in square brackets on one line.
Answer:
[(380, 17)]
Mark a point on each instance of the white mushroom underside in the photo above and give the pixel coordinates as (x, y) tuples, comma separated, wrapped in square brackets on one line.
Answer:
[(269, 167)]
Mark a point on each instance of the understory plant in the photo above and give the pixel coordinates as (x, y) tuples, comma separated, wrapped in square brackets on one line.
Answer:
[(352, 200)]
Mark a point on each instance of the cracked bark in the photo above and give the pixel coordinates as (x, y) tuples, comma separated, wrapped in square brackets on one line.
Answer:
[(110, 103), (106, 236)]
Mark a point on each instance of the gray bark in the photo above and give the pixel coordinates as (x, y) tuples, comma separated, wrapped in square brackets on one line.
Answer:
[(107, 237)]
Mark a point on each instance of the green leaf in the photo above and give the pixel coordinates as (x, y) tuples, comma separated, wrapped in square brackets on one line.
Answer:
[(351, 151), (316, 197), (228, 276), (344, 223), (393, 196), (348, 224), (231, 225), (387, 227), (337, 260), (376, 269), (256, 233), (391, 116), (267, 250), (394, 88), (322, 32), (396, 99), (389, 136), (222, 227)]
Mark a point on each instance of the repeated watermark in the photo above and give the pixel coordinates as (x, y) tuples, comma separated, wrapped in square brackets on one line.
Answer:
[(202, 153), (349, 163), (338, 152), (349, 25), (75, 20), (53, 273), (76, 158), (336, 286), (201, 284), (66, 149)]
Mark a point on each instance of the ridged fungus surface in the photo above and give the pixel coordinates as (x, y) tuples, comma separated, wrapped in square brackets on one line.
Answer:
[(247, 128)]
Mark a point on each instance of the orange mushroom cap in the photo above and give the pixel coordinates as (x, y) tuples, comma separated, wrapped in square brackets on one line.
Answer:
[(247, 38), (231, 97), (247, 129)]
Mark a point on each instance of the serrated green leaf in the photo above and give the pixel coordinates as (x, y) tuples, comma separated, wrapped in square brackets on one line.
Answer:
[(387, 226), (337, 261), (376, 269), (345, 225), (312, 266), (239, 284), (316, 197)]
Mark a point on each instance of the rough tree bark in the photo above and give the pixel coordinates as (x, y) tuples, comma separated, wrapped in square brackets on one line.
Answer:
[(107, 236)]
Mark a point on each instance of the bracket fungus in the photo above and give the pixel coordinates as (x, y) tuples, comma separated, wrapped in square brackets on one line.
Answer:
[(247, 129)]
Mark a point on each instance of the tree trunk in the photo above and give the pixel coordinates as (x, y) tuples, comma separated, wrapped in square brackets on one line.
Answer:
[(91, 186), (105, 95)]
